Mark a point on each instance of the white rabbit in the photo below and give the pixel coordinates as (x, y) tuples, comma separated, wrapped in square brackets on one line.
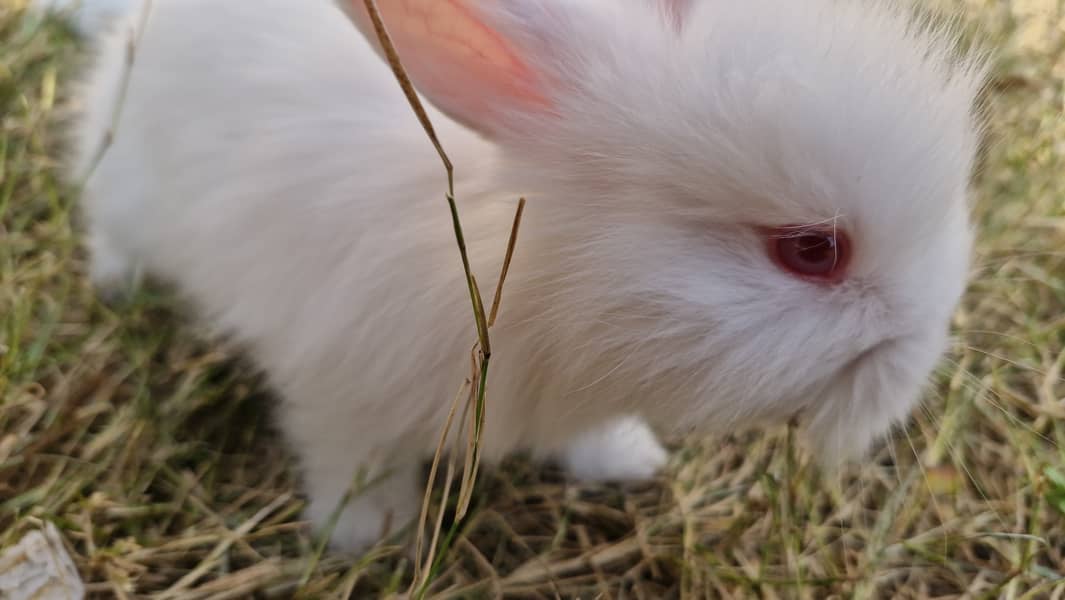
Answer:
[(739, 213)]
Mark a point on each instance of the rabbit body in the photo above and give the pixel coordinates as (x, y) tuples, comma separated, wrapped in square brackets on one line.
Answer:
[(265, 161)]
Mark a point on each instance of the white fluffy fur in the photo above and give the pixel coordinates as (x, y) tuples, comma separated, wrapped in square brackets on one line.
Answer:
[(266, 162)]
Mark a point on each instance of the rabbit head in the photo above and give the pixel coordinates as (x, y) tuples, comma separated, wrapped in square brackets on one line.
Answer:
[(750, 211)]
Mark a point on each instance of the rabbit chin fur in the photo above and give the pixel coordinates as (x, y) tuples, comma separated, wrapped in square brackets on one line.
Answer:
[(265, 162)]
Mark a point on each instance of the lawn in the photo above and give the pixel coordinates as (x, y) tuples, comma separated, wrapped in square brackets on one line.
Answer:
[(151, 448)]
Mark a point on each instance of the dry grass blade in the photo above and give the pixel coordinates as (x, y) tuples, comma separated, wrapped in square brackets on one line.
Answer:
[(135, 34), (511, 243), (480, 381), (419, 110), (479, 376), (219, 550), (600, 558), (424, 515), (472, 456)]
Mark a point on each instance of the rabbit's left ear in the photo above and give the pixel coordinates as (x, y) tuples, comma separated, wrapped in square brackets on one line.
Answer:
[(482, 62), (501, 67)]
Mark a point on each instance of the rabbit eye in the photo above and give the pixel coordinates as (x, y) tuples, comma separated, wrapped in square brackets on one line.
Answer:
[(817, 254)]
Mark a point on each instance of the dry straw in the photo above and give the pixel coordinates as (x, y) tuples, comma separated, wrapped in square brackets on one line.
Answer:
[(474, 387)]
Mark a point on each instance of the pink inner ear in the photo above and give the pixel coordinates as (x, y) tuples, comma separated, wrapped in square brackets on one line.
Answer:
[(463, 65)]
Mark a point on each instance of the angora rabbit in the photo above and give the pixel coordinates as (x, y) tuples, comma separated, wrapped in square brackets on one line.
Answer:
[(739, 213)]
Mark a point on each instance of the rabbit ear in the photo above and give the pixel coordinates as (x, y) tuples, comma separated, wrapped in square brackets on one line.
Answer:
[(459, 59)]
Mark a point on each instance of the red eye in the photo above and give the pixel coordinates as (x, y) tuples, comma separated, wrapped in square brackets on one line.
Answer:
[(819, 254)]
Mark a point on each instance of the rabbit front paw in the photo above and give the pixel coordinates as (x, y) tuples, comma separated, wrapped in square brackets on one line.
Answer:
[(622, 450)]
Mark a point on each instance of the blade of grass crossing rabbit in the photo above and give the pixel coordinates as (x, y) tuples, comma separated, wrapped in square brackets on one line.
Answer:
[(506, 261), (466, 492), (424, 516), (478, 305), (472, 456), (135, 36)]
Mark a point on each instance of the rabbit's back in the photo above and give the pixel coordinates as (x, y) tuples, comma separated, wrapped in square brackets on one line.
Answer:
[(266, 162)]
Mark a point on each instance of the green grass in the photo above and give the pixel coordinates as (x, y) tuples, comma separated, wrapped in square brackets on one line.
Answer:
[(151, 447)]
